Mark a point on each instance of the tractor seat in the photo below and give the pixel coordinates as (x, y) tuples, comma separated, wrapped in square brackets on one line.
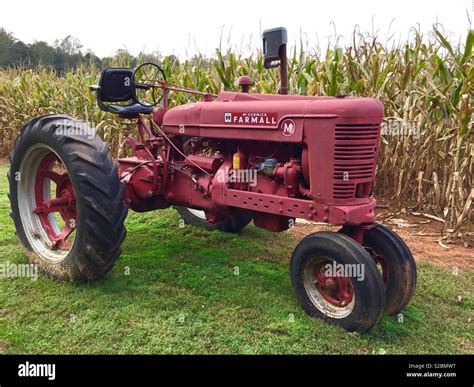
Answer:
[(130, 110), (116, 85)]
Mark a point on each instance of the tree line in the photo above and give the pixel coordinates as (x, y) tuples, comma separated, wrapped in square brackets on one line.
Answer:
[(64, 54)]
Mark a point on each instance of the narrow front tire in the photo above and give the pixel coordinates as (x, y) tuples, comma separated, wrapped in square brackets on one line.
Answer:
[(336, 280)]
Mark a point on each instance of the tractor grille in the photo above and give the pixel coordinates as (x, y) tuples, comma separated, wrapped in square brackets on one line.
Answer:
[(355, 152)]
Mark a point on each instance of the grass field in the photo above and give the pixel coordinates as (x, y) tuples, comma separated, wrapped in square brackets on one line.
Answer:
[(185, 290)]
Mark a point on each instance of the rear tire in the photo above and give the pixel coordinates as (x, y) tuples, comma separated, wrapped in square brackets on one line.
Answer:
[(231, 224), (55, 150), (355, 304)]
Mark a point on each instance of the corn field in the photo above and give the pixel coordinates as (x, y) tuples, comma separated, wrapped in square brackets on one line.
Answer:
[(427, 84)]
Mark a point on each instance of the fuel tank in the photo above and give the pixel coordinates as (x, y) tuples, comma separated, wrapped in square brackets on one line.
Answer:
[(263, 117)]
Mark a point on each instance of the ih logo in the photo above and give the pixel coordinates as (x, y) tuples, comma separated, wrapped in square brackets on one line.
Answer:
[(251, 118), (288, 127)]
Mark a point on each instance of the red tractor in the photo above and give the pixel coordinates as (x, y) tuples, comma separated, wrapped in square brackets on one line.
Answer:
[(221, 162)]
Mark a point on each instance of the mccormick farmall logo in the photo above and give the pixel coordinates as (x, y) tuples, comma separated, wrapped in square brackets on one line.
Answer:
[(258, 119)]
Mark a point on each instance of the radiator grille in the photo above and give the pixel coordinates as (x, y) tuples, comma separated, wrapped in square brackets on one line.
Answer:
[(355, 152)]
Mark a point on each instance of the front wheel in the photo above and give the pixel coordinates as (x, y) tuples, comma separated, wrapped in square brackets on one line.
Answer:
[(336, 280), (66, 198), (395, 262)]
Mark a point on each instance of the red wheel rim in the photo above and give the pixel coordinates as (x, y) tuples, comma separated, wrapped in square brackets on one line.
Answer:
[(336, 290), (51, 169)]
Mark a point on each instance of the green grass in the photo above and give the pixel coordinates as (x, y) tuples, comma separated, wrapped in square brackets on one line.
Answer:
[(182, 295)]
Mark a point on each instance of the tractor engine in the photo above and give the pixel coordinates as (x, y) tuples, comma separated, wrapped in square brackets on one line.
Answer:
[(278, 157)]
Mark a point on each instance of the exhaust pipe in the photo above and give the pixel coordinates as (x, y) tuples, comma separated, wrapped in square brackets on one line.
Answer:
[(274, 54)]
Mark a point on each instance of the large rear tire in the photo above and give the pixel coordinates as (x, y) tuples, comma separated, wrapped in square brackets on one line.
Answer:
[(66, 198), (353, 300)]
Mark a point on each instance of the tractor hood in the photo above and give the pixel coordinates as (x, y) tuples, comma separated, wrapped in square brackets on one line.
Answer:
[(263, 111)]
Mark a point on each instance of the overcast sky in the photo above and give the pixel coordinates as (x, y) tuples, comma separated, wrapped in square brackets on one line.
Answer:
[(182, 27)]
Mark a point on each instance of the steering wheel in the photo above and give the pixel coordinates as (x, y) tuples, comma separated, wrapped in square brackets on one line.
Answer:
[(147, 78)]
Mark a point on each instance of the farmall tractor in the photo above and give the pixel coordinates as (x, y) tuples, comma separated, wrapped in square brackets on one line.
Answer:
[(221, 162)]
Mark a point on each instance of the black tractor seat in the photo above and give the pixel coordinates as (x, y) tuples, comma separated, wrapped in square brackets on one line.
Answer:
[(130, 110), (116, 85)]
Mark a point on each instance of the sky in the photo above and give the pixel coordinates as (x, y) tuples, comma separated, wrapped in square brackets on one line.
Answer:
[(184, 27)]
